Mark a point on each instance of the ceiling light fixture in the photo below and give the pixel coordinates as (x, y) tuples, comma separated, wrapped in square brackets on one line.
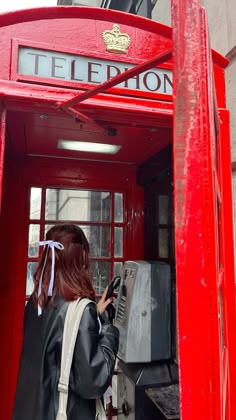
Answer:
[(84, 146)]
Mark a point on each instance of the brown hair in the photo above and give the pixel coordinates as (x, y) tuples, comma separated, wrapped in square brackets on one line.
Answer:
[(72, 277)]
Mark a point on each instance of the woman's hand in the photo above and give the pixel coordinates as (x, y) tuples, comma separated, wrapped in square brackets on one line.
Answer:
[(102, 304)]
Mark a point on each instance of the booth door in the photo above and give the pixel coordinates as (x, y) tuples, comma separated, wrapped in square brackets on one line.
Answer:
[(203, 227)]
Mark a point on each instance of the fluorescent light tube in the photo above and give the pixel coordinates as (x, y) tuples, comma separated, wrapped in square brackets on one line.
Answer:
[(84, 146)]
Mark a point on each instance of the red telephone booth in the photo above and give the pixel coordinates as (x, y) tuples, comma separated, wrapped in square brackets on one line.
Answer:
[(87, 134)]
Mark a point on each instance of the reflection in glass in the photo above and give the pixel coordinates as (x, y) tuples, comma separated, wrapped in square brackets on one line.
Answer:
[(118, 245), (99, 238), (221, 305), (47, 228), (33, 250), (163, 243), (171, 211), (172, 244), (218, 226), (100, 275), (118, 207), (35, 203), (62, 204), (105, 199), (163, 209), (31, 268), (118, 268)]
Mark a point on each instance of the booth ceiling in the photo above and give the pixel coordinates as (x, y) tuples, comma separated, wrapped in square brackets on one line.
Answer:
[(37, 133)]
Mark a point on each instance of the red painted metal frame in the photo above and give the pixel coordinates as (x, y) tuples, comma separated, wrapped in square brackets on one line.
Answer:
[(68, 105), (3, 114), (118, 79), (82, 117), (16, 91), (61, 12), (201, 368), (228, 278)]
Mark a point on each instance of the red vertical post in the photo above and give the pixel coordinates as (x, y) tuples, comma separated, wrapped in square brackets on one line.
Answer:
[(2, 148), (196, 216)]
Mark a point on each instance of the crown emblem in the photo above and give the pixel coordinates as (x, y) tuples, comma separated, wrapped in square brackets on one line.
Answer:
[(115, 41)]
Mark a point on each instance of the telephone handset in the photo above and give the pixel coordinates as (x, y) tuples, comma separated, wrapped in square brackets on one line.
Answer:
[(114, 284)]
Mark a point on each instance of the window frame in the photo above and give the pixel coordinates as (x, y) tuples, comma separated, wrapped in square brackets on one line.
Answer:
[(42, 222)]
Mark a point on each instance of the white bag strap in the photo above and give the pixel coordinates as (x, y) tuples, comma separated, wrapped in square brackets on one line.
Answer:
[(100, 412), (72, 321)]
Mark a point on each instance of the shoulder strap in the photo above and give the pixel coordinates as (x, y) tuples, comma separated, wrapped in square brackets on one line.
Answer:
[(72, 321)]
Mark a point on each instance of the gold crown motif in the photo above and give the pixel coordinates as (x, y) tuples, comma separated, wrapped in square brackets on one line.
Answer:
[(115, 41)]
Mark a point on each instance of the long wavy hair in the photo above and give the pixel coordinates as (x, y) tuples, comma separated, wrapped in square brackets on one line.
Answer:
[(72, 277)]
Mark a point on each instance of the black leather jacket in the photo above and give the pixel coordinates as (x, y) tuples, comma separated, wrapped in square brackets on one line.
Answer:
[(92, 366)]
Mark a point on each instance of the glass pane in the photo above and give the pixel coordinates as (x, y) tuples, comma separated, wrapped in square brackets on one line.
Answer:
[(118, 268), (221, 307), (163, 243), (99, 238), (103, 200), (35, 203), (172, 244), (118, 207), (46, 229), (31, 268), (118, 246), (218, 226), (61, 204), (33, 250), (163, 209), (172, 212), (100, 275)]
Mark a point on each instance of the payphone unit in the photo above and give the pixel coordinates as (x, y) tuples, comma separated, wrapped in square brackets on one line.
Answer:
[(143, 312), (146, 374)]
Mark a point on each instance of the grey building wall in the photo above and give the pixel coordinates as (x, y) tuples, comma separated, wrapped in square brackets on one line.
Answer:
[(93, 3), (221, 16), (161, 12)]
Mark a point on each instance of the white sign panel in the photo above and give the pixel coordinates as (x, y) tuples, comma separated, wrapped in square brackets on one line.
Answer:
[(80, 69)]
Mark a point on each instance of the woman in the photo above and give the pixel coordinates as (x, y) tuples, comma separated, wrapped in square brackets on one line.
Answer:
[(63, 276)]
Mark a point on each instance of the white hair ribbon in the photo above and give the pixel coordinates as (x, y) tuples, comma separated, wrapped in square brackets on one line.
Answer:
[(50, 244)]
